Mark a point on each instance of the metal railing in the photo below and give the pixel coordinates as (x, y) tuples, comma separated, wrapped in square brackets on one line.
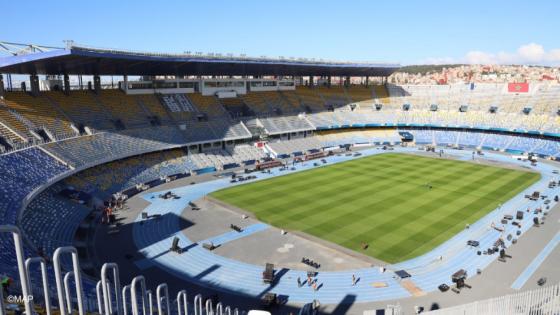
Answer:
[(110, 298), (542, 301)]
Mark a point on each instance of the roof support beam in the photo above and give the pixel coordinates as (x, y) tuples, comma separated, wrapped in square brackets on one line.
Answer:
[(2, 90)]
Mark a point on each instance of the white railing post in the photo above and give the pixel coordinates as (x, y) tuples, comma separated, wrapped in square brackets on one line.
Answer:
[(67, 291), (23, 276), (44, 277), (182, 294), (124, 304), (109, 294), (133, 293), (209, 307), (228, 310), (150, 302), (98, 290), (219, 309), (2, 309), (106, 294), (159, 289), (198, 304), (77, 275)]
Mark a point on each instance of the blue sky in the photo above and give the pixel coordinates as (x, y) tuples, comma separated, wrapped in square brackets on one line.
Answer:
[(409, 32)]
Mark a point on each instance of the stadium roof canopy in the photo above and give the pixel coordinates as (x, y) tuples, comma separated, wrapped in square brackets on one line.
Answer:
[(80, 60)]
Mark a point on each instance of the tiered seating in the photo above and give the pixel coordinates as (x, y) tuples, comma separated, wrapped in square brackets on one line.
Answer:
[(548, 148), (236, 155), (276, 102), (423, 136), (215, 130), (151, 103), (23, 171), (495, 141), (257, 102), (334, 96), (199, 132), (9, 135), (171, 103), (513, 144), (120, 175), (445, 138), (180, 106), (292, 99), (300, 145), (471, 139), (310, 99), (212, 158), (105, 146), (361, 94), (235, 106), (228, 130), (82, 108), (472, 119), (60, 215), (377, 136), (284, 124), (381, 93), (546, 100), (244, 152), (39, 112), (207, 104), (124, 107), (523, 144), (7, 118)]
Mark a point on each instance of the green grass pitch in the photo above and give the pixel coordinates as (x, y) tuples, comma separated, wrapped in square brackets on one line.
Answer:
[(382, 200)]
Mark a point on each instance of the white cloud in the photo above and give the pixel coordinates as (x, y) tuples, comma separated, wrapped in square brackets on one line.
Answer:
[(531, 54), (479, 57)]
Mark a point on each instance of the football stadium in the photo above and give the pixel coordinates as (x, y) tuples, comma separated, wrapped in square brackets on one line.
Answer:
[(139, 182)]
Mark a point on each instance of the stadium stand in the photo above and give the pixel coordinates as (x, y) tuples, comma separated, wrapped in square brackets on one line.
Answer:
[(11, 127), (38, 113), (123, 174), (292, 99), (124, 108), (83, 109), (243, 153), (207, 104), (154, 107), (295, 147), (284, 124), (276, 102), (216, 158), (381, 93), (22, 172), (236, 107), (229, 130), (179, 106), (257, 103), (47, 210), (107, 146), (370, 137), (361, 95), (334, 97), (310, 100)]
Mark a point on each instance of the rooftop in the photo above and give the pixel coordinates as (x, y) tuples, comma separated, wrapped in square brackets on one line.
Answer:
[(84, 60)]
